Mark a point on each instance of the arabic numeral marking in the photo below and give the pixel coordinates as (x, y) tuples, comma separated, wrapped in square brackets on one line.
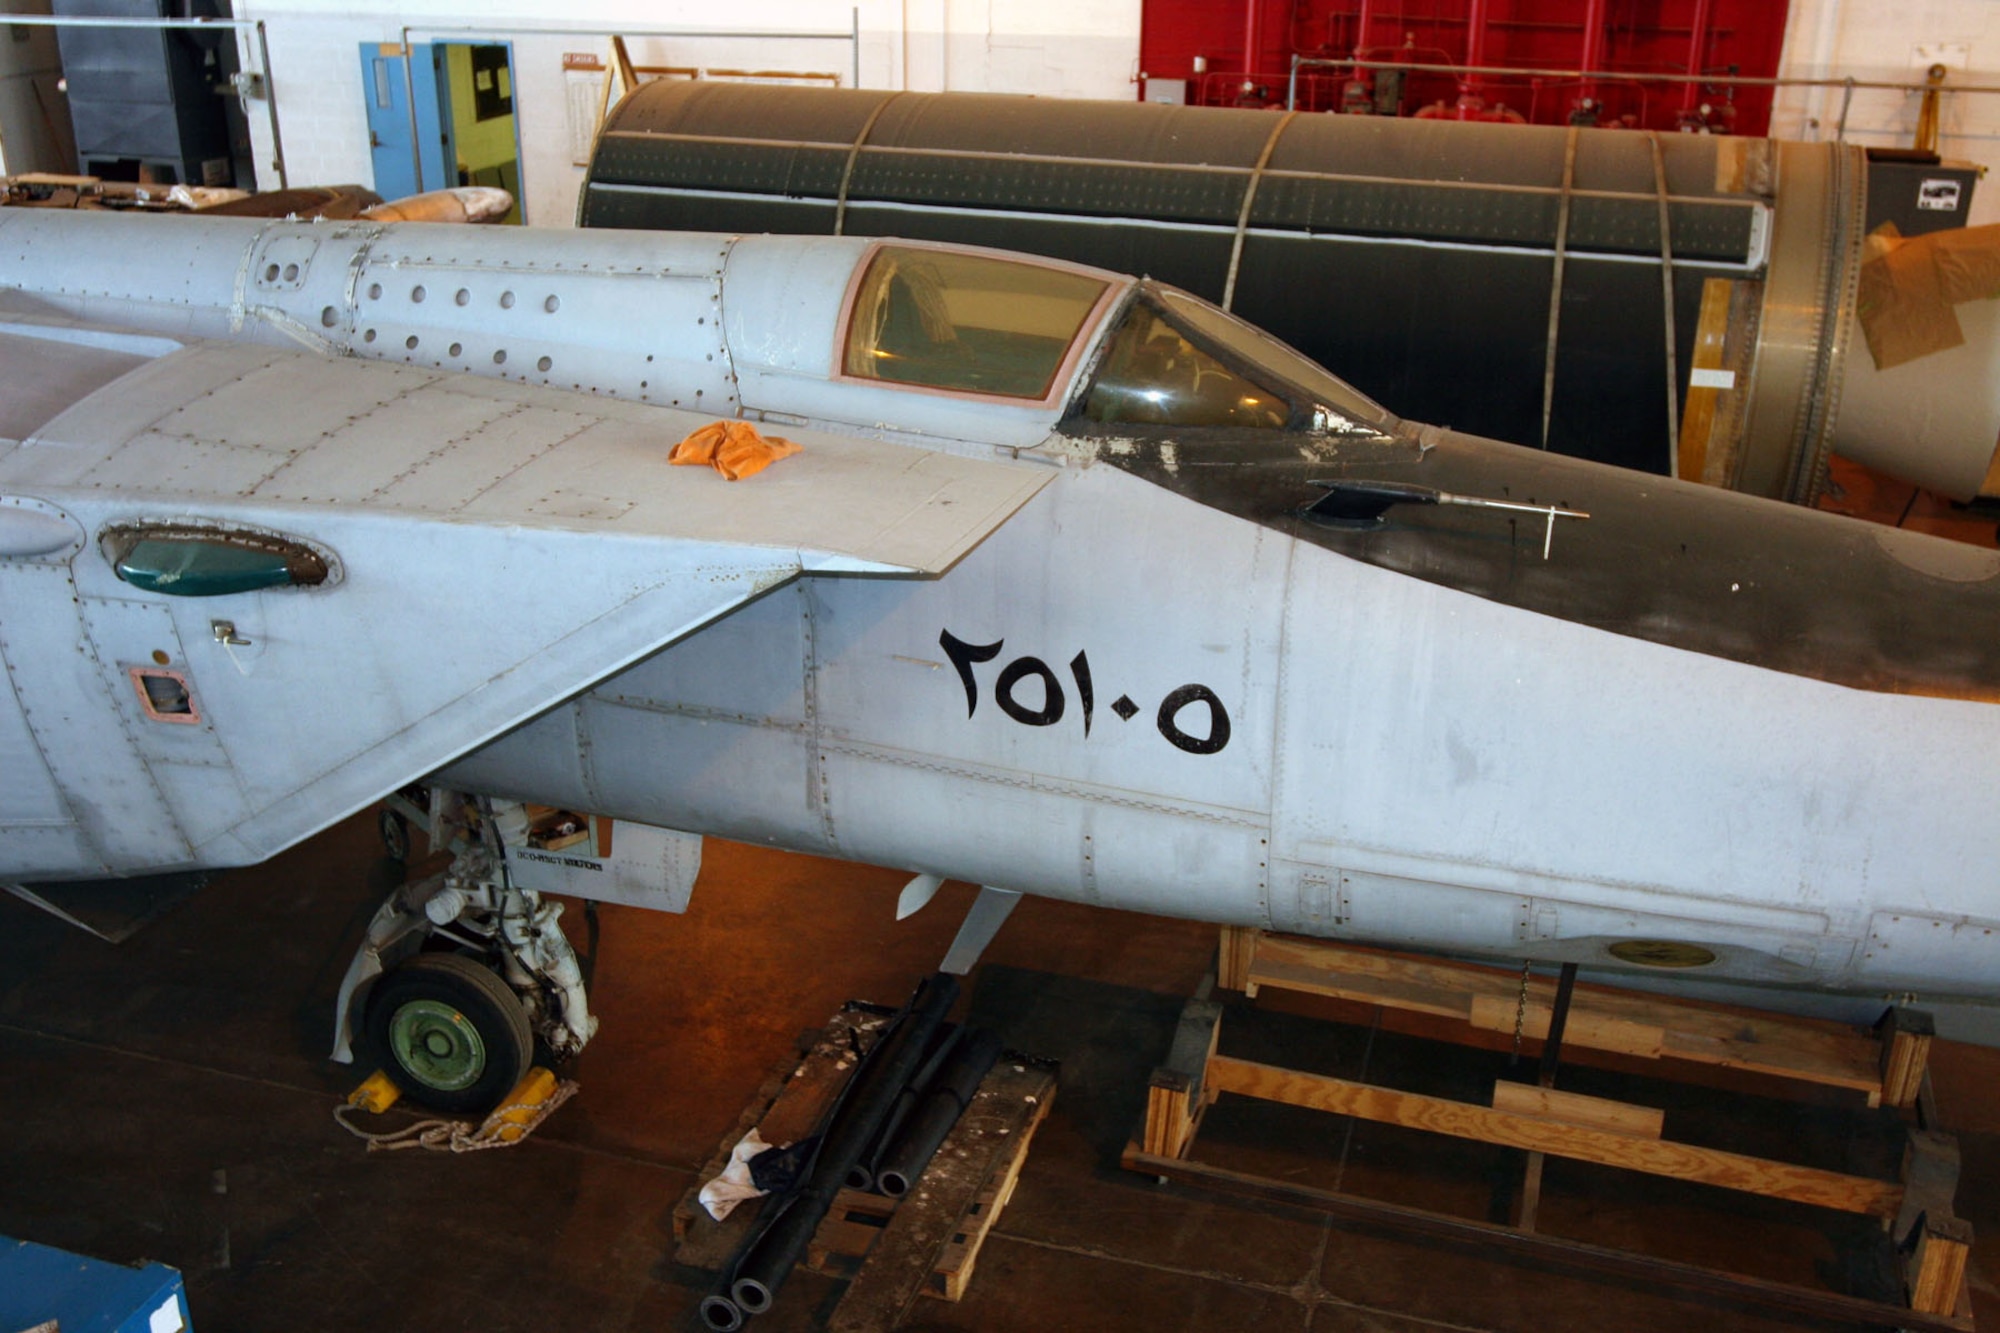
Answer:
[(1006, 693), (1012, 675), (1218, 720), (1079, 669), (964, 656)]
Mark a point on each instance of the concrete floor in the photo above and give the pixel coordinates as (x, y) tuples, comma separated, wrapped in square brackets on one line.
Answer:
[(169, 1098)]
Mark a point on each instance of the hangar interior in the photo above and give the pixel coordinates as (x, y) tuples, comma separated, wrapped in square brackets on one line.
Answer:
[(172, 1101), (1643, 235)]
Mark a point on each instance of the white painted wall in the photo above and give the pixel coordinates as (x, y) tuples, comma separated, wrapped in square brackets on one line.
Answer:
[(1060, 48), (1877, 40), (34, 123)]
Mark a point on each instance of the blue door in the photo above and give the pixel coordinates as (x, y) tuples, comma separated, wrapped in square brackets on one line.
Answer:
[(384, 92)]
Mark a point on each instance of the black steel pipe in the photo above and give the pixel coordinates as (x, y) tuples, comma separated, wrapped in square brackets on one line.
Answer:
[(942, 1106), (862, 1177), (721, 1314), (776, 1249), (1558, 1020)]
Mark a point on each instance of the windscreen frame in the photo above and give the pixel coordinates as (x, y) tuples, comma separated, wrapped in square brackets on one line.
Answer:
[(1303, 404), (1063, 379)]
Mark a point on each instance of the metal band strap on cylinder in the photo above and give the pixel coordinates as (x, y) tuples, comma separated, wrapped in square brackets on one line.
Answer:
[(1847, 208), (1556, 284), (853, 156), (1250, 198), (1667, 298), (1790, 324)]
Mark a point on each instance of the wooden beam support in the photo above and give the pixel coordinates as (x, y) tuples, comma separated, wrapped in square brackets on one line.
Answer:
[(1906, 1048), (1234, 956), (1590, 1029), (1698, 414), (1601, 1018), (1177, 1093), (1827, 1189), (1931, 1165), (1936, 1272), (1937, 1243), (1573, 1108), (621, 60), (1169, 1115), (1570, 1255)]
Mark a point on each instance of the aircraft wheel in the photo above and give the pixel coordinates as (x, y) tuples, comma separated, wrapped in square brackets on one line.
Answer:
[(395, 832), (449, 1032)]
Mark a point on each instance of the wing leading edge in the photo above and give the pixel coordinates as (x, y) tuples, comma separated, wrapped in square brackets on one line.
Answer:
[(493, 549)]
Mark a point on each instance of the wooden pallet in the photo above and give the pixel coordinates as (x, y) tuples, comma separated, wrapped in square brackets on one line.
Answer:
[(1015, 1098), (930, 1242), (891, 1251), (787, 1108), (1917, 1209)]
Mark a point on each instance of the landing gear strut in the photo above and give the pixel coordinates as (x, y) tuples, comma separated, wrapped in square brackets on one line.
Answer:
[(455, 1029), (395, 831)]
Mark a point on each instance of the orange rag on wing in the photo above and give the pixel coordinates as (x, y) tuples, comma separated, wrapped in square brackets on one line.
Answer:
[(733, 448)]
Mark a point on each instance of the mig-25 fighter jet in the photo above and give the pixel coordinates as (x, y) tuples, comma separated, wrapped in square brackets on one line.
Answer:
[(1076, 586)]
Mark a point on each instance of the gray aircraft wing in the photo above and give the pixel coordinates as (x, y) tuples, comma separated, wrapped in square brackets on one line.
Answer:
[(490, 548)]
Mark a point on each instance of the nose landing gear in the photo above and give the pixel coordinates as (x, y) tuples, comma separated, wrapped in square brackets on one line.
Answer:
[(458, 975)]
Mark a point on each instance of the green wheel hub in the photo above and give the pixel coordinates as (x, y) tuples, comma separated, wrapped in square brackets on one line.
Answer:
[(437, 1044)]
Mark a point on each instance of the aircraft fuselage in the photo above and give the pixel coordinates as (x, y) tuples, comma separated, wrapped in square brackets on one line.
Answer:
[(1128, 699), (1067, 593)]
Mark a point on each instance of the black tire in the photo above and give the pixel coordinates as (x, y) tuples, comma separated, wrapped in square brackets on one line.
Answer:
[(395, 832), (449, 1032)]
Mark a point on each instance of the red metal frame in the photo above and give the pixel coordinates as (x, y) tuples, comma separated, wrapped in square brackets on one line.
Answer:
[(1635, 38)]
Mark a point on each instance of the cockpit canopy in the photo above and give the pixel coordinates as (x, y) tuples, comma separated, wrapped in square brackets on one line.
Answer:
[(970, 323), (1175, 360), (1020, 330)]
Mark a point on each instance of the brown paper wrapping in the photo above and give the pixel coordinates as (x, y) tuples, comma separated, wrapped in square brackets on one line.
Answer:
[(1908, 289)]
